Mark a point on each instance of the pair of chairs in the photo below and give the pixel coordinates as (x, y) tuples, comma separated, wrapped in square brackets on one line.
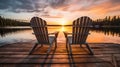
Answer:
[(78, 36)]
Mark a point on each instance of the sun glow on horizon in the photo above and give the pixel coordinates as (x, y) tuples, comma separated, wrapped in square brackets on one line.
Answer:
[(58, 21), (62, 29), (63, 22), (59, 11)]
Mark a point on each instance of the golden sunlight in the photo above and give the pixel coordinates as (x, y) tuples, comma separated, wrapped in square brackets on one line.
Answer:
[(62, 29), (63, 21)]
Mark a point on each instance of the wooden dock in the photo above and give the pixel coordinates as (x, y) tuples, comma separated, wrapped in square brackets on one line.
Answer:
[(16, 55)]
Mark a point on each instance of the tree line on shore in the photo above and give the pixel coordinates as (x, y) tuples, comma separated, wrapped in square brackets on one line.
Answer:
[(105, 22), (108, 21), (11, 22)]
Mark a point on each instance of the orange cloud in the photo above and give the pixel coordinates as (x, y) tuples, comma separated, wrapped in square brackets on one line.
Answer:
[(48, 16), (53, 10)]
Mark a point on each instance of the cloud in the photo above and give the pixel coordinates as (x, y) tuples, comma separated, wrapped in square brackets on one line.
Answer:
[(29, 5), (96, 7), (115, 1), (56, 3), (22, 5), (39, 7), (61, 8), (48, 16)]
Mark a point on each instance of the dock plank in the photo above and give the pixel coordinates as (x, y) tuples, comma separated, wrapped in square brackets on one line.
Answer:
[(16, 55)]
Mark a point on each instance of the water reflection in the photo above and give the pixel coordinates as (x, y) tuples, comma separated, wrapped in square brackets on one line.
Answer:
[(25, 34), (114, 31), (7, 31), (66, 28)]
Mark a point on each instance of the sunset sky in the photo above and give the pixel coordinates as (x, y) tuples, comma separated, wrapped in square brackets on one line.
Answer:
[(58, 11)]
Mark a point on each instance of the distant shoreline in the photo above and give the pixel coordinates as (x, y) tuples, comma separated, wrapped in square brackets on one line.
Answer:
[(59, 25)]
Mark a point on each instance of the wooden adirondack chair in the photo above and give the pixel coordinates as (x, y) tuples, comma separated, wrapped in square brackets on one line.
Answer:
[(79, 33), (39, 27)]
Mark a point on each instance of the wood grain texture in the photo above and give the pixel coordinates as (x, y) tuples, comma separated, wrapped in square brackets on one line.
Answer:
[(13, 56)]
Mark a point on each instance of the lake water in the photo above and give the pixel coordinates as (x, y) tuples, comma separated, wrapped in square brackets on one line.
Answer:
[(10, 35)]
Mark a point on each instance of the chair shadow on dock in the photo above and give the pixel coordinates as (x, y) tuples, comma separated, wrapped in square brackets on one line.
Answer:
[(85, 60), (45, 59), (79, 58), (17, 55)]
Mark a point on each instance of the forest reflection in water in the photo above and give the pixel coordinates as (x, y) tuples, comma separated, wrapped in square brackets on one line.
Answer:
[(114, 31), (21, 34), (7, 31)]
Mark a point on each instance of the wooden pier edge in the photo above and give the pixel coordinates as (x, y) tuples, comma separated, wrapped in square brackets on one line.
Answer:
[(16, 55)]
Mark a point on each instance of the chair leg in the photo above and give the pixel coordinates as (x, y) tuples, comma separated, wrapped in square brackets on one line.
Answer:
[(70, 49), (55, 43), (33, 48), (49, 49), (41, 45), (71, 56), (91, 52), (66, 44), (80, 45)]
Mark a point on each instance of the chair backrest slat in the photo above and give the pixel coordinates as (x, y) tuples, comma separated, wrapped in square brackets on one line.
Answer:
[(39, 27), (81, 30)]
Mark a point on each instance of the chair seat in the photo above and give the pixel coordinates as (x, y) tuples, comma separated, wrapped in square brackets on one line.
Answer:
[(39, 27), (70, 39), (51, 39), (80, 31)]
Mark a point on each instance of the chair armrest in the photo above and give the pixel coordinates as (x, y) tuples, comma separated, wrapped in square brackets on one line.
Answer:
[(54, 33), (51, 33), (66, 33), (83, 34), (33, 33)]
